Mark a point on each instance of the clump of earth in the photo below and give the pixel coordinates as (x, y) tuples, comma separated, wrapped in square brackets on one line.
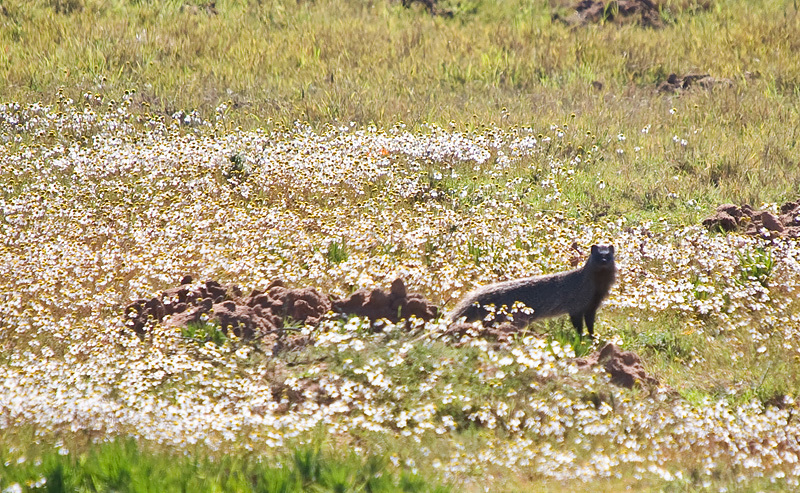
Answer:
[(677, 83), (624, 367), (432, 6), (269, 311), (643, 12), (753, 222)]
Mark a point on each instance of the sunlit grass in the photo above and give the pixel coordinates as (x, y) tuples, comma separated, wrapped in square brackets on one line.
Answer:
[(73, 464), (262, 64)]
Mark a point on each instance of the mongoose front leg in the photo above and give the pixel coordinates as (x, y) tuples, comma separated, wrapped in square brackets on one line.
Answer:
[(589, 316), (577, 322)]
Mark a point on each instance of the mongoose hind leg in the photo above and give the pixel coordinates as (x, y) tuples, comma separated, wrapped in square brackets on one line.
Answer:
[(577, 322)]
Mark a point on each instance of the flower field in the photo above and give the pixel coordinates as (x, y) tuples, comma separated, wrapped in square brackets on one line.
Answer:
[(101, 206)]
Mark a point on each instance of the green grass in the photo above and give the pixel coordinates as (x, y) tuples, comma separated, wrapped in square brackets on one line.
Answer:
[(203, 332), (125, 465), (756, 265), (337, 251)]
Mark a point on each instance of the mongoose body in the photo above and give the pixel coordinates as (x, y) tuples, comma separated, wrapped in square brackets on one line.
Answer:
[(578, 293)]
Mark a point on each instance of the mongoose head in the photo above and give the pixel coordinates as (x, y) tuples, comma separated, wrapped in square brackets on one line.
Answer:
[(602, 257)]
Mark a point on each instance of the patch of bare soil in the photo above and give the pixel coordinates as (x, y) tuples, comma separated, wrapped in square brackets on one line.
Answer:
[(642, 12), (393, 305), (624, 367), (432, 6), (209, 8), (678, 83), (745, 219), (271, 310)]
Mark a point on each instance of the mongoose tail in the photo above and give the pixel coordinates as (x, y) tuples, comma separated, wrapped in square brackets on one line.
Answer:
[(578, 292)]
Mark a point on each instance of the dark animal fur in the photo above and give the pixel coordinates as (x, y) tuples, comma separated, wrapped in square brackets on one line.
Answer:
[(578, 292)]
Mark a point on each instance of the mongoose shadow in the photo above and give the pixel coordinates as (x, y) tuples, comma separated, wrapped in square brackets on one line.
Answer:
[(577, 292)]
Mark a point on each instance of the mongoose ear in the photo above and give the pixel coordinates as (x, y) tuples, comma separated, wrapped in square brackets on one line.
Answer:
[(594, 249), (611, 249)]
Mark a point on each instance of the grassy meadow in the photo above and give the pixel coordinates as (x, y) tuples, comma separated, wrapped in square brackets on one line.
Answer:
[(341, 144)]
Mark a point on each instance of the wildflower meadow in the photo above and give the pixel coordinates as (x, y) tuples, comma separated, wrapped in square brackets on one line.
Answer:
[(340, 146)]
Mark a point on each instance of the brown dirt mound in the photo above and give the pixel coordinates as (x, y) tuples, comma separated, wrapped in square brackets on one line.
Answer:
[(269, 311), (393, 305), (643, 12), (625, 367), (432, 6), (729, 217), (676, 83), (306, 305), (188, 302)]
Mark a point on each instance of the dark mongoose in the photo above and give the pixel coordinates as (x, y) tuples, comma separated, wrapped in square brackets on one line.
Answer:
[(578, 292)]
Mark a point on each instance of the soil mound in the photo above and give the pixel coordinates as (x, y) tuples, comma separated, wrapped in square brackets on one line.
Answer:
[(393, 305), (625, 367), (729, 217), (432, 6), (306, 305), (188, 303), (676, 83), (643, 12), (271, 310)]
